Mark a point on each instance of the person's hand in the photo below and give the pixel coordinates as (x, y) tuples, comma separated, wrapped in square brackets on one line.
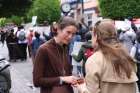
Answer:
[(69, 79), (81, 88), (80, 81)]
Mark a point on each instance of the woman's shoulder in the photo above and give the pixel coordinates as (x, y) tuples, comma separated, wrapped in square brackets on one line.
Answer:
[(96, 55), (45, 45), (95, 64), (48, 45), (96, 58)]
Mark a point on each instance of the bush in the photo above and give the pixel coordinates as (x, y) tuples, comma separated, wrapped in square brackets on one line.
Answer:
[(2, 22), (118, 9), (16, 19), (45, 10)]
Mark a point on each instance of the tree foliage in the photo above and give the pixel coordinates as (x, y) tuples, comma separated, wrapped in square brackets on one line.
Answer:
[(45, 10), (2, 22), (117, 9), (14, 7)]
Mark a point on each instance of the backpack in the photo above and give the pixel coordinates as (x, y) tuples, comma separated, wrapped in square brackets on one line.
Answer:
[(88, 52), (137, 54), (21, 36)]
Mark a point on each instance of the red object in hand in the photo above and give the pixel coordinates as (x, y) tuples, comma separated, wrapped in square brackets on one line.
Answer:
[(80, 81)]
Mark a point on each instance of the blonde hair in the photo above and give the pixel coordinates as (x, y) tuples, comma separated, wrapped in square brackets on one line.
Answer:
[(112, 49)]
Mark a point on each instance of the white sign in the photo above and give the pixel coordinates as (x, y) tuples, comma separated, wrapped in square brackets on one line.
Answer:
[(34, 18), (76, 48)]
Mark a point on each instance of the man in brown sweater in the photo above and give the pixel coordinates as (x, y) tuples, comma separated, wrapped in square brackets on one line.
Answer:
[(52, 71)]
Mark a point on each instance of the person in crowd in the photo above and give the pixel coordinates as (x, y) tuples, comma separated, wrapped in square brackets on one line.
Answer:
[(110, 69), (53, 30), (22, 42), (35, 44), (76, 38), (135, 48), (76, 66), (127, 37), (86, 51), (3, 37), (52, 71), (133, 26), (46, 31), (11, 41), (83, 28), (29, 38), (135, 53)]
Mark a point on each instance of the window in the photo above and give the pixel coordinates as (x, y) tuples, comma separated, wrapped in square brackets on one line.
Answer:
[(89, 19)]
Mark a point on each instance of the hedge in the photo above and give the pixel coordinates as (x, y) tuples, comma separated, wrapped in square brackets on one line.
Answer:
[(117, 9)]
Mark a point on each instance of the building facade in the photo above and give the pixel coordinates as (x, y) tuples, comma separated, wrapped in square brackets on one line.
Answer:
[(90, 10)]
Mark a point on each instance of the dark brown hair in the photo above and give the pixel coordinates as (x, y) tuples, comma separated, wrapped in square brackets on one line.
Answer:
[(66, 21), (112, 49)]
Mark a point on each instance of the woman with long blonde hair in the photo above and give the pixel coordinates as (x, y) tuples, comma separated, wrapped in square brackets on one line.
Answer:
[(110, 69)]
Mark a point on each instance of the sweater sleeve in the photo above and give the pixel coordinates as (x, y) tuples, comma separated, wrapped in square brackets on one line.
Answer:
[(39, 79), (79, 57)]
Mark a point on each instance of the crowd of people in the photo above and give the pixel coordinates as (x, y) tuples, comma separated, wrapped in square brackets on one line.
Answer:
[(108, 65), (19, 40), (110, 58)]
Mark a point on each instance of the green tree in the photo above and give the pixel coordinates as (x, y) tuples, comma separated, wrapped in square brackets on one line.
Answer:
[(2, 22), (45, 10), (14, 7), (117, 9)]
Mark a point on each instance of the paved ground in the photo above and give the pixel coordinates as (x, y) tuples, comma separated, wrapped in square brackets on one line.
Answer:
[(22, 77), (21, 74)]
